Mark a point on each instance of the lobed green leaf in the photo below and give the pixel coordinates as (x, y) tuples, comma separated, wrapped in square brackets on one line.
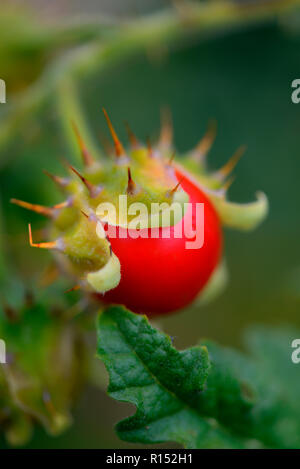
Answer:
[(220, 399)]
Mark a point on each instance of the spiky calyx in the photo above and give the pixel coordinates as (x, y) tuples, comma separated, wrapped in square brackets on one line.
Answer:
[(46, 365), (145, 174)]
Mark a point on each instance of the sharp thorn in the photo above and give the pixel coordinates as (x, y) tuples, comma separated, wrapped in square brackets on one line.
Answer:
[(65, 204), (232, 162), (177, 186), (61, 182), (84, 214), (119, 149), (49, 212), (206, 142), (75, 288), (227, 184), (91, 217), (48, 245), (93, 190), (131, 186), (46, 211), (172, 191)]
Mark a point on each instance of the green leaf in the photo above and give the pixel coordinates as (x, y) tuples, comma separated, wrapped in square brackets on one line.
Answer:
[(164, 384), (267, 378), (277, 382)]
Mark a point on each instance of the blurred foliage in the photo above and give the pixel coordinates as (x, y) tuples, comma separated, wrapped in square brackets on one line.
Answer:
[(47, 362), (27, 45)]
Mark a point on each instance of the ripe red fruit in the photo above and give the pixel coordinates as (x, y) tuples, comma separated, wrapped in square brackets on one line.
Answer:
[(160, 276)]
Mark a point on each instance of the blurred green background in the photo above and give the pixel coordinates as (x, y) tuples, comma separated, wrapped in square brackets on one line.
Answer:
[(242, 78)]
